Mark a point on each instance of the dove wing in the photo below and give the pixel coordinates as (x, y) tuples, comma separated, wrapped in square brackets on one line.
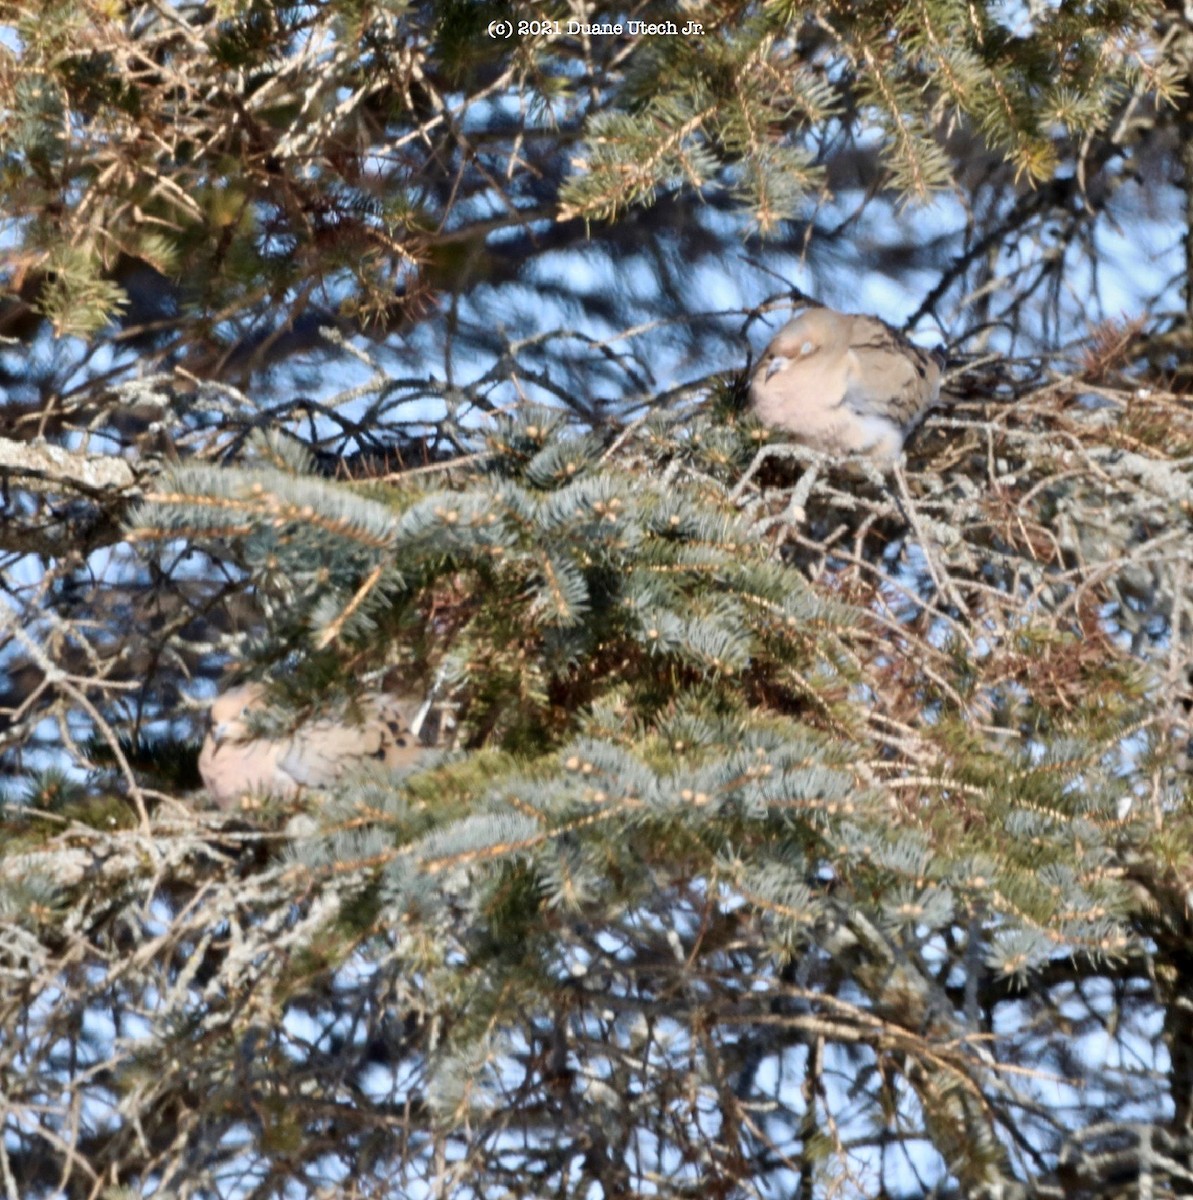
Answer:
[(319, 752), (890, 374)]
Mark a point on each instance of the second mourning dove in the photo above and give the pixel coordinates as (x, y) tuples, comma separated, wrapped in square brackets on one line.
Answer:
[(234, 761), (844, 384)]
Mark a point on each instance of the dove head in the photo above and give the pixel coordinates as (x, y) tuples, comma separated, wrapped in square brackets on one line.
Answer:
[(813, 331), (229, 710)]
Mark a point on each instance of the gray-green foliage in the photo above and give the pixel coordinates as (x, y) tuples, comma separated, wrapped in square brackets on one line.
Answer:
[(266, 131), (780, 838), (667, 782)]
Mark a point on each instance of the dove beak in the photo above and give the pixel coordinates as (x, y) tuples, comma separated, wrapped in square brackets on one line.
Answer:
[(775, 365)]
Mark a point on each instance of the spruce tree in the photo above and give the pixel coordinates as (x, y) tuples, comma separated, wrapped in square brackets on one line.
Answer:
[(797, 828)]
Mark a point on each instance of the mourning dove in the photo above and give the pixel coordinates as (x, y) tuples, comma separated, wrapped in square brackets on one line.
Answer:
[(234, 761), (844, 384)]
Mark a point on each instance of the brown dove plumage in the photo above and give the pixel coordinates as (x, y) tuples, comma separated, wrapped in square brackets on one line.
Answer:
[(844, 384), (235, 762)]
